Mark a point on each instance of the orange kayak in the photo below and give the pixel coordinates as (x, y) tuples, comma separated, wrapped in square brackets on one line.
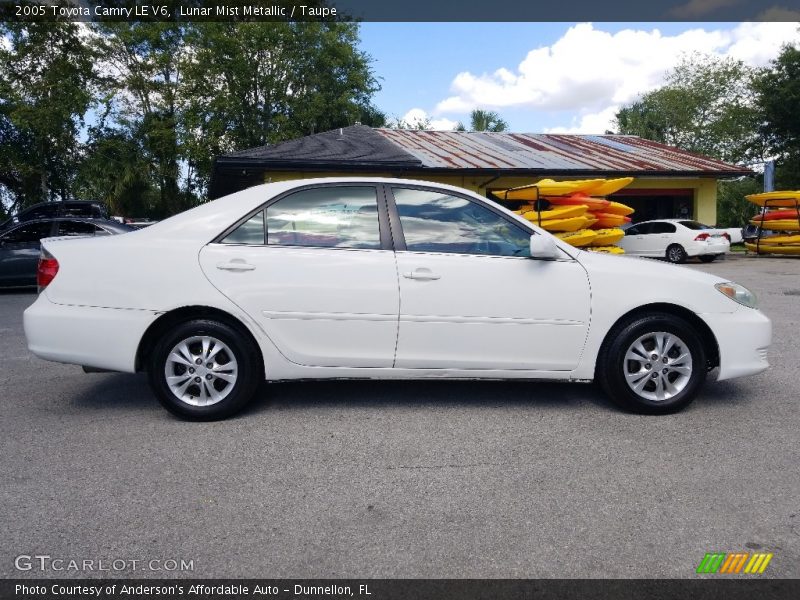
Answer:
[(579, 199), (608, 220), (772, 215)]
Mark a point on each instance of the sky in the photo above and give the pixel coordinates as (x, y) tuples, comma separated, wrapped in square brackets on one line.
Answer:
[(545, 77)]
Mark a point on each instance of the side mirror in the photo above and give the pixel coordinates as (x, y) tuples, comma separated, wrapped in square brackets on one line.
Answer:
[(543, 247)]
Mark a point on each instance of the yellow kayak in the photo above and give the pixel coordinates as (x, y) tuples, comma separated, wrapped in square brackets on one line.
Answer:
[(606, 237), (781, 239), (548, 187), (617, 208), (606, 249), (772, 248), (784, 199), (778, 224), (570, 224), (579, 238), (560, 212), (610, 186)]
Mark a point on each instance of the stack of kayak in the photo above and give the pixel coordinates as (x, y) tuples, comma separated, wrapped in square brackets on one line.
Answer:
[(782, 214), (575, 211)]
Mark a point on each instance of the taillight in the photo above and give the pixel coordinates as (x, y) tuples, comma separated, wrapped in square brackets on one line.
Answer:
[(727, 237), (47, 270), (702, 237)]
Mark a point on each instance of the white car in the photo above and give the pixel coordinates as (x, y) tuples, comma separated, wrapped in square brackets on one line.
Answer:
[(676, 240), (381, 279)]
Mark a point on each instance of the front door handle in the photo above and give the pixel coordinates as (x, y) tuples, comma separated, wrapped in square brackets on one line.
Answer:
[(237, 264), (421, 274)]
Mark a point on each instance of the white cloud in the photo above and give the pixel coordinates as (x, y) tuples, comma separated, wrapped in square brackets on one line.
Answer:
[(595, 122), (417, 115), (589, 71)]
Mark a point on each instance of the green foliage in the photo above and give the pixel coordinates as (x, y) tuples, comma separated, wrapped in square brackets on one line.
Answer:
[(163, 100), (707, 106), (732, 208), (778, 92), (483, 120), (46, 86)]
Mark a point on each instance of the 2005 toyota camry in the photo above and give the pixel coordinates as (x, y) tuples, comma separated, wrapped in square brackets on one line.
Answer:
[(381, 278)]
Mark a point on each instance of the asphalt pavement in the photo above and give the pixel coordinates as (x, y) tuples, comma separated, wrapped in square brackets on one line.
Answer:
[(396, 479)]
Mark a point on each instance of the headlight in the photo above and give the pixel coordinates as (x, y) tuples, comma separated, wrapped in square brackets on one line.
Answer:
[(738, 293)]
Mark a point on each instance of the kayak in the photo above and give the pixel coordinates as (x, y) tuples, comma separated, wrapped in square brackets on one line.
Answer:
[(612, 185), (606, 237), (559, 212), (547, 187), (617, 208), (579, 199), (583, 237), (781, 239), (784, 213), (606, 249), (570, 224), (787, 199), (605, 220), (779, 224), (773, 248)]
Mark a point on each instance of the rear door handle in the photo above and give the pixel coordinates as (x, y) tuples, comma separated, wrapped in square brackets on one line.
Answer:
[(235, 265), (421, 274)]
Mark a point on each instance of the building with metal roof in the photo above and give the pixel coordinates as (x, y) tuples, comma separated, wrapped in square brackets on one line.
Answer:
[(669, 182)]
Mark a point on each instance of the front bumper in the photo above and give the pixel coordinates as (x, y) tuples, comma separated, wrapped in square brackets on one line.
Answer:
[(103, 338), (743, 338)]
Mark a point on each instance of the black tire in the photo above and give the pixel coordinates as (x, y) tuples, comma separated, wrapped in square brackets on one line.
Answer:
[(707, 258), (612, 365), (240, 355), (676, 254)]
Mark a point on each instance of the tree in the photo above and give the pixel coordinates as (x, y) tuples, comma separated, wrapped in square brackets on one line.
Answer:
[(484, 120), (47, 79), (707, 106), (251, 84), (144, 62), (778, 94)]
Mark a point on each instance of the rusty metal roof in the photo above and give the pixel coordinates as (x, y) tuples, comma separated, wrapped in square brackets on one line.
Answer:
[(362, 149), (552, 153)]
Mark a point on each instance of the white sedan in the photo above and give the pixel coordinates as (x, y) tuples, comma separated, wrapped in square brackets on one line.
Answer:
[(676, 240), (381, 279)]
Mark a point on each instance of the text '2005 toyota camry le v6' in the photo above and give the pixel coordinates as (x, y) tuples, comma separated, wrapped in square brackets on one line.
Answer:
[(381, 278)]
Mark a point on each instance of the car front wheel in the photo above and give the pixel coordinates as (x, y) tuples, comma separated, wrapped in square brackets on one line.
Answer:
[(654, 364), (204, 370)]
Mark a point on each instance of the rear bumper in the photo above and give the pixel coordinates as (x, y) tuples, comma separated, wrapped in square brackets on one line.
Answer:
[(743, 337), (709, 247), (102, 338)]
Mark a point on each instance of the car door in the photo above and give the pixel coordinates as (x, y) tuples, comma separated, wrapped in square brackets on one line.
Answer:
[(19, 253), (470, 295), (661, 236), (634, 240), (315, 269)]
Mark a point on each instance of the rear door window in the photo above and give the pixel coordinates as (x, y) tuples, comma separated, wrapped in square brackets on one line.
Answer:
[(662, 228), (27, 234), (76, 228)]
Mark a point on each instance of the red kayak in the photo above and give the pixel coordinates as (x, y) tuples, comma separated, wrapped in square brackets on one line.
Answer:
[(784, 213), (578, 199)]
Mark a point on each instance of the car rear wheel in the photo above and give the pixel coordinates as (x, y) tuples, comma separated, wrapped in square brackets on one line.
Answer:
[(204, 370), (676, 254), (653, 364), (707, 258)]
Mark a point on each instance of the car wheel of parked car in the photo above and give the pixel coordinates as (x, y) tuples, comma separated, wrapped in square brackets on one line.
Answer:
[(653, 364), (707, 258), (676, 254), (204, 370)]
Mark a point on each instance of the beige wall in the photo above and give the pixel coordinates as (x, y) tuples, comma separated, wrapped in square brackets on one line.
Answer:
[(705, 189)]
